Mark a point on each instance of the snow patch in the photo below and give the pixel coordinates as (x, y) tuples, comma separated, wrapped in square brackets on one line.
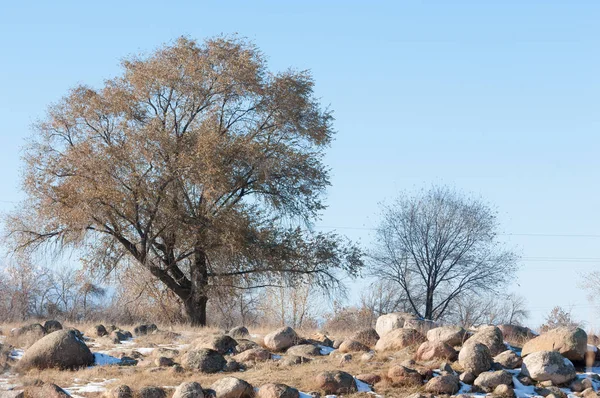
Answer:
[(325, 350), (16, 354), (521, 390), (145, 350), (101, 359), (91, 387)]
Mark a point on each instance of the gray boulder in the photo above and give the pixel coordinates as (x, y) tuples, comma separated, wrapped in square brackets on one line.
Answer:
[(232, 387), (61, 349), (189, 390), (475, 358), (204, 359), (548, 365), (451, 335), (491, 337), (570, 343), (488, 381), (508, 359), (388, 322), (336, 382), (281, 339)]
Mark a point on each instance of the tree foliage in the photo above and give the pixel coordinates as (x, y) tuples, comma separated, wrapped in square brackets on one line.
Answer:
[(438, 246), (196, 163)]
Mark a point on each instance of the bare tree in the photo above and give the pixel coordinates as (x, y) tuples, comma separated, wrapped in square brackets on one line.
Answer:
[(476, 309), (438, 246), (197, 164), (384, 297), (559, 317)]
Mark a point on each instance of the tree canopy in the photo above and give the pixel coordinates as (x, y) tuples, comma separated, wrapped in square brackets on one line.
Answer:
[(196, 163), (438, 246)]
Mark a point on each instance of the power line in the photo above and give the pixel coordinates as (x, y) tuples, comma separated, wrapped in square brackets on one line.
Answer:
[(506, 234)]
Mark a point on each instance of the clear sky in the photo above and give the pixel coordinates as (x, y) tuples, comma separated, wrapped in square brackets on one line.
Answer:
[(498, 98)]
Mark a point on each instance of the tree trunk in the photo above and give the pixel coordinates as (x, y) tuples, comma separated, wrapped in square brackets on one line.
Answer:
[(195, 304), (196, 311), (429, 304)]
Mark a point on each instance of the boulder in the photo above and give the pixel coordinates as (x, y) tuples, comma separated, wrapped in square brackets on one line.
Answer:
[(404, 376), (488, 381), (291, 360), (164, 362), (352, 346), (204, 360), (369, 378), (304, 350), (422, 325), (445, 384), (253, 355), (28, 334), (516, 334), (367, 337), (467, 377), (430, 350), (118, 335), (451, 335), (244, 345), (239, 332), (151, 392), (232, 387), (189, 390), (52, 326), (548, 365), (45, 390), (142, 330), (336, 382), (281, 339), (232, 365), (122, 391), (99, 331), (570, 343), (508, 359), (222, 344), (277, 390), (322, 339), (61, 349), (388, 322), (398, 339), (491, 337), (504, 391), (475, 358)]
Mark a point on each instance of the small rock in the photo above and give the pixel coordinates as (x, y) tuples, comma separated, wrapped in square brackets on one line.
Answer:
[(447, 384), (277, 390), (151, 392), (336, 382), (189, 390)]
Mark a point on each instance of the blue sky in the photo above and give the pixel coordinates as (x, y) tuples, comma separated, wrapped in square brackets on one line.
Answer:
[(497, 98)]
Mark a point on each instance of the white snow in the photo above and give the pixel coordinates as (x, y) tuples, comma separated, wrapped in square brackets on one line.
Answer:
[(101, 359), (522, 391), (91, 387), (17, 354), (361, 386), (145, 350), (325, 350)]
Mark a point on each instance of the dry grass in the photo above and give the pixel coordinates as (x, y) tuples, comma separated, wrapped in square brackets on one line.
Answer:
[(301, 376)]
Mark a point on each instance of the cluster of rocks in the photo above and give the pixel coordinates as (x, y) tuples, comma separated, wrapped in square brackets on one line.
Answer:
[(446, 360)]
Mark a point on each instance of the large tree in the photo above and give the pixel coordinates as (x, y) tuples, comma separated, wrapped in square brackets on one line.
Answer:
[(438, 246), (197, 164)]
